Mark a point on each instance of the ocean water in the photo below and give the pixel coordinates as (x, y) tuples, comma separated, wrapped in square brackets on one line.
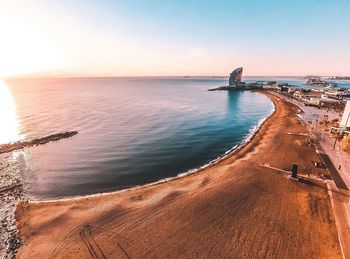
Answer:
[(131, 130)]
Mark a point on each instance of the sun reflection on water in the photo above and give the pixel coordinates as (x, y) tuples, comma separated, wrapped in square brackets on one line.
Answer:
[(9, 125)]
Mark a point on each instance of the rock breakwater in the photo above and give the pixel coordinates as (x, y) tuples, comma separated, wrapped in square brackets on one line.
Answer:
[(5, 148)]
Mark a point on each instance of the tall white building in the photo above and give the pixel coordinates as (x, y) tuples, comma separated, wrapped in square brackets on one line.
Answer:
[(345, 120)]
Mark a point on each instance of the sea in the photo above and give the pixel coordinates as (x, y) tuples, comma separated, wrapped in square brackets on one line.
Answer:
[(132, 130)]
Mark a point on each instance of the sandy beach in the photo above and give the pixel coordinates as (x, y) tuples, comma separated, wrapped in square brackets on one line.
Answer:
[(244, 206)]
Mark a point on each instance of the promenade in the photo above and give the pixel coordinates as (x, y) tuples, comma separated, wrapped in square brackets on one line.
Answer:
[(338, 156), (337, 163)]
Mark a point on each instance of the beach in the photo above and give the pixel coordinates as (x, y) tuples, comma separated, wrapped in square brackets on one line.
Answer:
[(244, 206)]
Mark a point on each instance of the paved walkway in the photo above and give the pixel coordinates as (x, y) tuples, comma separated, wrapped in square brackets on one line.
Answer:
[(340, 206), (337, 156), (338, 164)]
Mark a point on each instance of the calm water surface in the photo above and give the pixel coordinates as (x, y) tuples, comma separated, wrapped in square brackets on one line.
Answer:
[(131, 130)]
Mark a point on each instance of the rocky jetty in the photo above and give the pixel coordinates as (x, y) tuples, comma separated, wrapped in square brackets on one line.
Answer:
[(227, 87), (35, 142)]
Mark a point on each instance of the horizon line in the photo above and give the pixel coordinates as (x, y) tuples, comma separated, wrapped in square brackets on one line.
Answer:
[(147, 76)]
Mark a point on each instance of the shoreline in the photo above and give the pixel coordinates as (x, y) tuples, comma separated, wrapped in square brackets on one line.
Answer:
[(161, 206), (235, 149), (227, 154)]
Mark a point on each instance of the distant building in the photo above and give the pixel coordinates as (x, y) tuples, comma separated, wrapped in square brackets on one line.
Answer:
[(314, 101), (336, 93), (291, 90), (236, 76), (345, 121), (326, 99), (309, 97)]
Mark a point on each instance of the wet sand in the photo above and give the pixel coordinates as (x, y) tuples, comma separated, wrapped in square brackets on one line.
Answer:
[(240, 207)]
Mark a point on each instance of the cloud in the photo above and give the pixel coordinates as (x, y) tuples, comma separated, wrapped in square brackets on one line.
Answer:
[(195, 53)]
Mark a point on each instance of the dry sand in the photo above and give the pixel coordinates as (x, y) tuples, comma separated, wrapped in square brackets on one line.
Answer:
[(236, 208)]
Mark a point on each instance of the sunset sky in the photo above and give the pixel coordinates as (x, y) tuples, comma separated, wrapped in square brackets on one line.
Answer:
[(160, 38)]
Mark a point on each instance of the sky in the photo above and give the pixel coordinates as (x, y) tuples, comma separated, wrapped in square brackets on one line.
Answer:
[(174, 38)]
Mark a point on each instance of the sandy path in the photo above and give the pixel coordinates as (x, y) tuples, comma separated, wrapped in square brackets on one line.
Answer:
[(236, 208)]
